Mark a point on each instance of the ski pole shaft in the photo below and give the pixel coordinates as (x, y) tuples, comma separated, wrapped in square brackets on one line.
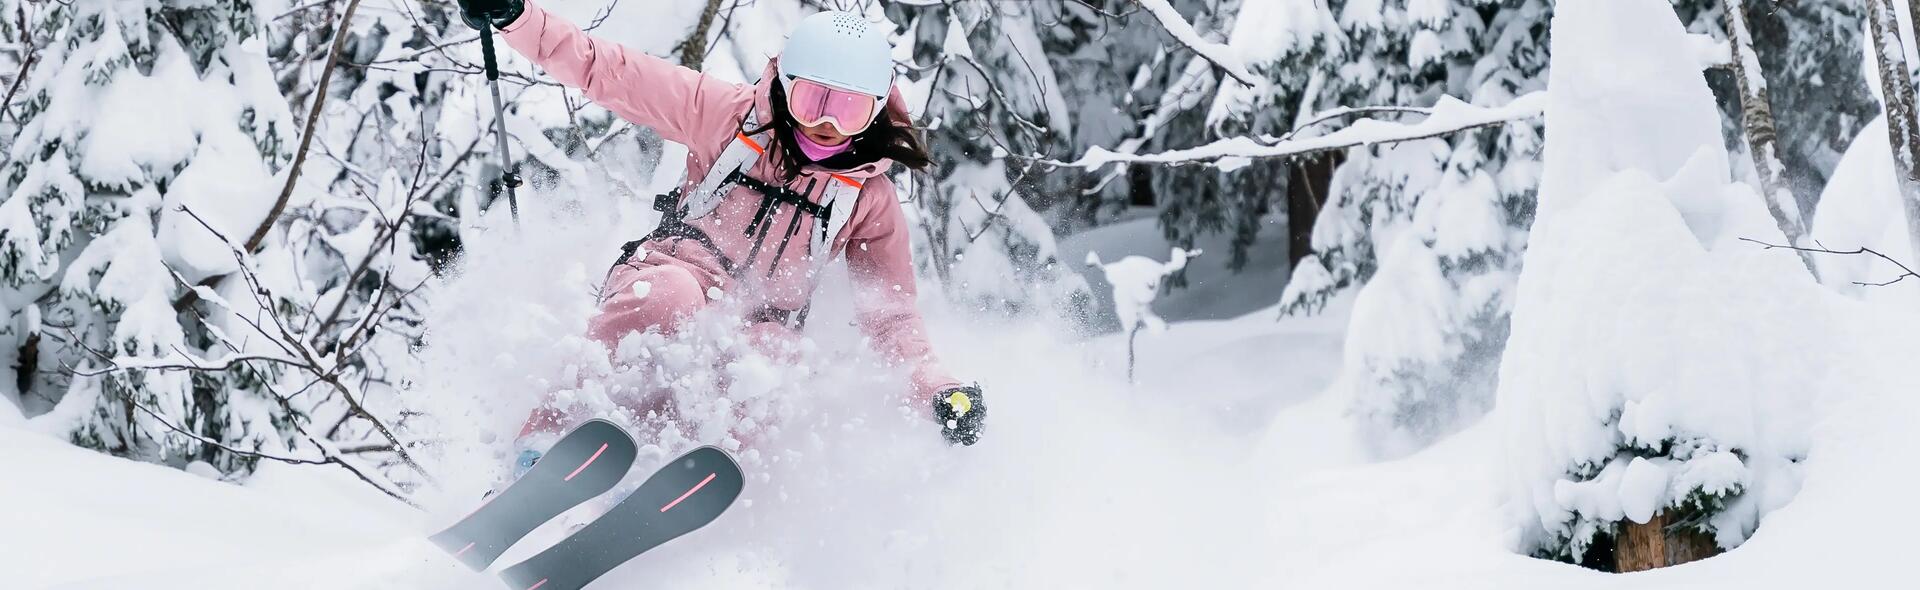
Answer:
[(507, 177)]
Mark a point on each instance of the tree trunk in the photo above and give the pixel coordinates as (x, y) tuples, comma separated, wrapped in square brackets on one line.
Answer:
[(1307, 182), (1903, 133), (693, 51), (1140, 187), (29, 362), (1756, 113), (1642, 547)]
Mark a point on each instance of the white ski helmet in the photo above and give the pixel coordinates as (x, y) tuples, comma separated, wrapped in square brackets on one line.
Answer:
[(840, 49)]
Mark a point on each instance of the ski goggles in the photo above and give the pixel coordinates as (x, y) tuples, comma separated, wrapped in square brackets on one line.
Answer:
[(812, 103)]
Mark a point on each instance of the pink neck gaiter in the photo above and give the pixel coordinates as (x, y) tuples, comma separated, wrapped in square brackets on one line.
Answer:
[(817, 152)]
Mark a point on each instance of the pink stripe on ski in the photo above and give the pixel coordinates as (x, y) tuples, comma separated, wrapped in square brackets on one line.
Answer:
[(583, 466), (463, 550), (542, 582), (683, 497)]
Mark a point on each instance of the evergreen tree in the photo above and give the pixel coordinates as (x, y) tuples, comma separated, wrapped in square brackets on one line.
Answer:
[(136, 110), (1433, 228)]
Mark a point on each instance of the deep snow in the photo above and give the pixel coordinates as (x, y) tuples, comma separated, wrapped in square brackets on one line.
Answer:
[(1074, 487)]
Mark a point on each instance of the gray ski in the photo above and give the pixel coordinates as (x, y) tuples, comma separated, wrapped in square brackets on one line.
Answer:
[(686, 494), (585, 463)]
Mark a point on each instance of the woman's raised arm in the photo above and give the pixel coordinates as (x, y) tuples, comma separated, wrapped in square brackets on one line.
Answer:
[(677, 102)]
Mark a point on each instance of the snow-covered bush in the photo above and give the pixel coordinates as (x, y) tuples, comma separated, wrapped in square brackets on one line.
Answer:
[(1657, 361), (1135, 281)]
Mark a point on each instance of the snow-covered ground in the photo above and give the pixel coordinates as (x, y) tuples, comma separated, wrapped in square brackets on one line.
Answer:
[(1225, 467), (1081, 480), (1198, 477)]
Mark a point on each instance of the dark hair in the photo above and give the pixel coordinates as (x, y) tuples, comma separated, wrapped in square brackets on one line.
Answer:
[(887, 138)]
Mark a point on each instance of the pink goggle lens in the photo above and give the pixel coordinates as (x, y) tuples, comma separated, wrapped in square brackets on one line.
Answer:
[(813, 103)]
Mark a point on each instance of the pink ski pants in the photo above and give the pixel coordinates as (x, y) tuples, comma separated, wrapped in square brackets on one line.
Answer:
[(656, 293)]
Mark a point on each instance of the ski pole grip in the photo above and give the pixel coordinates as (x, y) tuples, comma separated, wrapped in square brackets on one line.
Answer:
[(486, 53)]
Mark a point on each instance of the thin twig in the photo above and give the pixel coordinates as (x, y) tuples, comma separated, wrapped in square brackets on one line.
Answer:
[(6, 104), (1906, 273), (327, 458), (287, 341), (302, 8)]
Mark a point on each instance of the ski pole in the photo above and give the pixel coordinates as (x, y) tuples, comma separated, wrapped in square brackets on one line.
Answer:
[(507, 177)]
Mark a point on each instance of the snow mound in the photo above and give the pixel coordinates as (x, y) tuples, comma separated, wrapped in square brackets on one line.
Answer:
[(90, 521), (1620, 101), (10, 414), (1860, 207)]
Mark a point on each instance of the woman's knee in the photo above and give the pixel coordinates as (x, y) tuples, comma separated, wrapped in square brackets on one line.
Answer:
[(642, 297)]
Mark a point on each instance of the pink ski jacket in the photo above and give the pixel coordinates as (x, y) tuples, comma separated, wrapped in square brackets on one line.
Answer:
[(705, 114)]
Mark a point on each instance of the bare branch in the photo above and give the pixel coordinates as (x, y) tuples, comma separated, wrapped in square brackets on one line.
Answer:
[(307, 358), (313, 121), (6, 103), (1904, 275), (327, 458), (601, 17), (441, 46)]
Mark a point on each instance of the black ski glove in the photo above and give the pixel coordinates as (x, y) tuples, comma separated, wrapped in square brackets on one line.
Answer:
[(499, 13), (962, 412)]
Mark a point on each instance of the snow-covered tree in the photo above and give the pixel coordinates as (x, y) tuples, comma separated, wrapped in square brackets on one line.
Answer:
[(1620, 431), (1437, 206), (1434, 228), (989, 94), (135, 112)]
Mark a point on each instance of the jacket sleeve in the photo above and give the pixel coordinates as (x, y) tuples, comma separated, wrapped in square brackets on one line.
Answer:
[(681, 104), (880, 257)]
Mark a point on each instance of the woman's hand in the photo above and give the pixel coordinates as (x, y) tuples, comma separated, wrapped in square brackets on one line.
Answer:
[(962, 412), (479, 14)]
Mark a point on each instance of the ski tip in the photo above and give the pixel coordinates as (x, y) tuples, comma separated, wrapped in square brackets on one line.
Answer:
[(712, 455)]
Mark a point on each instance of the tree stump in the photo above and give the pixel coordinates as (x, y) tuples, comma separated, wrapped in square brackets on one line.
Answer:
[(1642, 547)]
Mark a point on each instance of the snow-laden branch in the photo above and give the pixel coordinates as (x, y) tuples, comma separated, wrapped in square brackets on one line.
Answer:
[(1449, 116), (1218, 53)]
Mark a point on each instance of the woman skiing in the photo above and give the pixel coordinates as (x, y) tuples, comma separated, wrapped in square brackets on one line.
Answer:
[(782, 176)]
